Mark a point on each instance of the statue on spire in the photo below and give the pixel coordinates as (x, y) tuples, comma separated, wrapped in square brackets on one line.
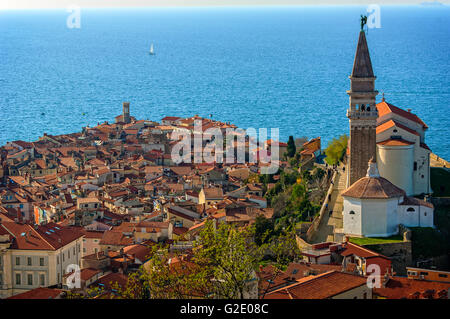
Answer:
[(363, 21)]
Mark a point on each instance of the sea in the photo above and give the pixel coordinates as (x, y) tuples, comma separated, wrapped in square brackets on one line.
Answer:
[(256, 67)]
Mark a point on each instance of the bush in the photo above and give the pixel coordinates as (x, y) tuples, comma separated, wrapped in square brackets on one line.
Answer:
[(335, 150)]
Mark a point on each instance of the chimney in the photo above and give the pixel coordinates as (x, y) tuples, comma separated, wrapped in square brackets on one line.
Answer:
[(409, 110)]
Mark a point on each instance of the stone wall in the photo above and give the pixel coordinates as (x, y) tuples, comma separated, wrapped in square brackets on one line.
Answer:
[(400, 254), (316, 222)]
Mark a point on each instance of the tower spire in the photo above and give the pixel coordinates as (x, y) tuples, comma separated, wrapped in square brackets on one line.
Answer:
[(362, 112), (362, 65)]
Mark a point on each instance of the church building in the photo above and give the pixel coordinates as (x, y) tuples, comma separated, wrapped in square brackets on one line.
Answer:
[(374, 207), (392, 141), (395, 137)]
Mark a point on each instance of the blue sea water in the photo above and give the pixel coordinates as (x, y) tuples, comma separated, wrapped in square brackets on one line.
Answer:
[(283, 67)]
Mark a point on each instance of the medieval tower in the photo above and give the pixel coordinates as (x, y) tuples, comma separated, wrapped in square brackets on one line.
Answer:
[(362, 113), (126, 112)]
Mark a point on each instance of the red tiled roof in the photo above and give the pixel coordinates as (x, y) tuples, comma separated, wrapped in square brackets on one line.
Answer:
[(39, 293), (353, 249), (401, 287), (390, 123), (44, 237), (385, 108), (322, 286), (373, 187), (395, 142)]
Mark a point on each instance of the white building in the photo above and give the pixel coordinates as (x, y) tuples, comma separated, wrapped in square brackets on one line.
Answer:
[(36, 256), (402, 155), (374, 207)]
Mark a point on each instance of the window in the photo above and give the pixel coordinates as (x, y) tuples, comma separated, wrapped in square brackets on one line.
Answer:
[(84, 250), (41, 261), (415, 166), (423, 273), (29, 261), (410, 209), (365, 295), (68, 254), (57, 260), (443, 275), (63, 257), (42, 279), (17, 261), (18, 279), (1, 279), (30, 279), (352, 212)]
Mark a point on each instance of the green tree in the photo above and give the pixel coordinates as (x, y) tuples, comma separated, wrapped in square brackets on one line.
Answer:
[(228, 256), (291, 147), (335, 150), (264, 229)]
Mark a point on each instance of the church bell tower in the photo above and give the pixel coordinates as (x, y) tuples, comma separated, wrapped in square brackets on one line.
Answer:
[(362, 113)]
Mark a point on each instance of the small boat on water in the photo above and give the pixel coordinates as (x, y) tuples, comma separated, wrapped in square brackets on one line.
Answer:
[(152, 51)]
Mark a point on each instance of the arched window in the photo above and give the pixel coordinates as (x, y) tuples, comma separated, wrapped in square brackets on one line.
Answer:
[(368, 107), (352, 212), (410, 209), (363, 107)]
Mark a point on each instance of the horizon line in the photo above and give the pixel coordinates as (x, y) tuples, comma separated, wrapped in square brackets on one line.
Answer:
[(223, 6)]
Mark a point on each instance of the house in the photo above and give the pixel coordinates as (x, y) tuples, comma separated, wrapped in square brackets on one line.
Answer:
[(406, 288), (358, 259), (428, 274), (271, 278), (180, 217), (154, 231), (210, 196), (329, 285), (36, 256)]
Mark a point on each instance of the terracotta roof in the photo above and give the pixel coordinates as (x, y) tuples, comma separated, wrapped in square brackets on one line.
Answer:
[(416, 202), (373, 187), (322, 286), (385, 108), (44, 237), (353, 249), (401, 287), (108, 280), (395, 142), (116, 238), (213, 193), (39, 293), (381, 127)]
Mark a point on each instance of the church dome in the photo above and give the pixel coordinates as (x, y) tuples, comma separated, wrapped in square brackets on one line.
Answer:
[(373, 186)]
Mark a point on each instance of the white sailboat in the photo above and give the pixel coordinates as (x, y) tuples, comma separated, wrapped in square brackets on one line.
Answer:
[(152, 52)]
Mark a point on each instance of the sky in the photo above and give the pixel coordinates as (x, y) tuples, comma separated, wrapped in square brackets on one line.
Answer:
[(41, 4)]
